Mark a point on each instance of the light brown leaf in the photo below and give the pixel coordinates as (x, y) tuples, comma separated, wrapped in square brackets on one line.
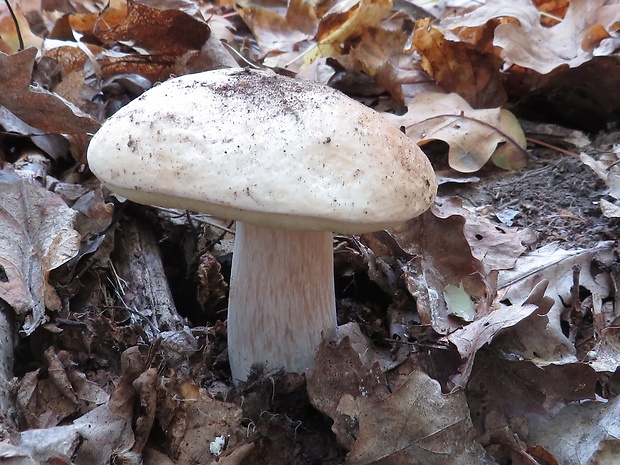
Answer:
[(278, 31), (472, 135)]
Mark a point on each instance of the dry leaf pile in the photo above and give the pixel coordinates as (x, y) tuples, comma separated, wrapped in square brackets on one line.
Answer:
[(468, 335)]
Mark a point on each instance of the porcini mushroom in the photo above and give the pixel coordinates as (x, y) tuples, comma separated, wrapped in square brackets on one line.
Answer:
[(291, 161)]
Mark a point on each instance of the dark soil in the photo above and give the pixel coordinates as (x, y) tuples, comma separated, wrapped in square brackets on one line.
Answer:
[(555, 196)]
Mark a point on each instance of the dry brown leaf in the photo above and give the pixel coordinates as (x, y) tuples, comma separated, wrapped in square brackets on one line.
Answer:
[(192, 419), (35, 106), (605, 357), (469, 339), (416, 424), (145, 386), (495, 245), (459, 67), (473, 136), (103, 435), (36, 237), (505, 386), (556, 265), (167, 32)]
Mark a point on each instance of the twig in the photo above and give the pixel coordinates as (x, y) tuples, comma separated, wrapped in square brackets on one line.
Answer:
[(550, 146)]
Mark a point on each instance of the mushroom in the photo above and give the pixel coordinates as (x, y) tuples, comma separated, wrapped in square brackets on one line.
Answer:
[(291, 161)]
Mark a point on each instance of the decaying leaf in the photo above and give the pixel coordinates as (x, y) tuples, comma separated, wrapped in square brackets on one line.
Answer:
[(415, 424), (278, 31), (442, 257), (580, 433), (472, 135), (557, 265), (339, 372), (36, 237), (474, 336)]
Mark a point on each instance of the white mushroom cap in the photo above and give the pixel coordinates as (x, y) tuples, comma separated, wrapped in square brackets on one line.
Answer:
[(265, 149)]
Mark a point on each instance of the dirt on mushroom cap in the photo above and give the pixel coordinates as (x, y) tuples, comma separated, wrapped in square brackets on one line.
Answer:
[(258, 147)]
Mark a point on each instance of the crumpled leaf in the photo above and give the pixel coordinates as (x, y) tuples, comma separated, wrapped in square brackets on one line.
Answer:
[(469, 339), (278, 31), (529, 44), (531, 388), (521, 317), (45, 401), (35, 106), (416, 424), (191, 419), (91, 440), (345, 20), (459, 67), (36, 236), (472, 135), (579, 434)]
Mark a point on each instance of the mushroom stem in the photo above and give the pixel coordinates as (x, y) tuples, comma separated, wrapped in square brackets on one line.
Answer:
[(281, 303)]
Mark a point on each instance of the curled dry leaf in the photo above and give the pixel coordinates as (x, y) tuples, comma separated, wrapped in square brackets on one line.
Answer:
[(36, 237), (469, 339), (529, 44), (158, 31), (472, 135), (496, 246), (606, 354), (381, 53), (192, 419)]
